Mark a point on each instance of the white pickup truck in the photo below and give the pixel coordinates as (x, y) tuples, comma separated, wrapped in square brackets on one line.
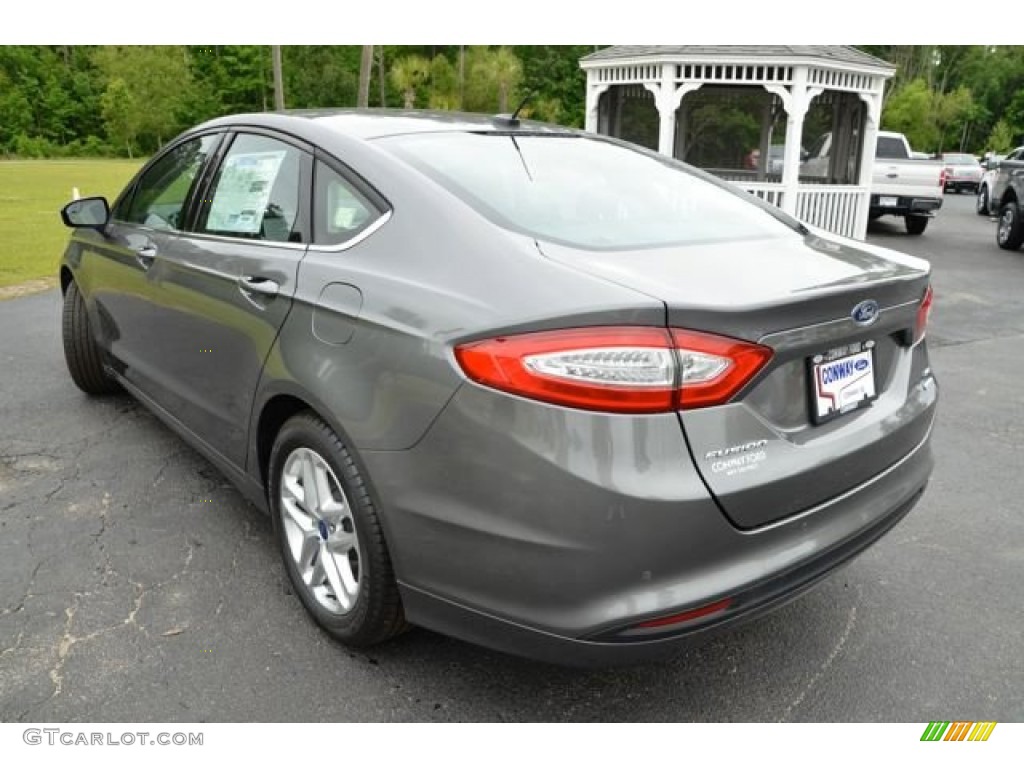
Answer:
[(900, 185)]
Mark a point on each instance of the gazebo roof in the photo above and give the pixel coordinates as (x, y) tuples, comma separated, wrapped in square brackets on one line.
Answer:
[(844, 55)]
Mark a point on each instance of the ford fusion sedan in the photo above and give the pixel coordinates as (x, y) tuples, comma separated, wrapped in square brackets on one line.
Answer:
[(538, 389)]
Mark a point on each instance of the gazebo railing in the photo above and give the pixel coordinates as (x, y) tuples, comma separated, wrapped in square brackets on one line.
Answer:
[(770, 193), (832, 207)]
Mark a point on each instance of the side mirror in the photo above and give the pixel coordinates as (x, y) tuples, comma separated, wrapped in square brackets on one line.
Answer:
[(804, 154), (91, 212)]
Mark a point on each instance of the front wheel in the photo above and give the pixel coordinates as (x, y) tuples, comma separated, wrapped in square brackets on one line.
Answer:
[(81, 352), (981, 203), (330, 535), (915, 224), (1009, 232)]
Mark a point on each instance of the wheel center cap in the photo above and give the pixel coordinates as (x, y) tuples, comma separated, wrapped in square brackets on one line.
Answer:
[(322, 528)]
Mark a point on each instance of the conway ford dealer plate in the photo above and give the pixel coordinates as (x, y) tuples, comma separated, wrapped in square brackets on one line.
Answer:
[(842, 380)]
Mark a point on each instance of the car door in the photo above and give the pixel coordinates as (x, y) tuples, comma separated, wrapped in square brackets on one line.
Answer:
[(225, 289), (119, 272)]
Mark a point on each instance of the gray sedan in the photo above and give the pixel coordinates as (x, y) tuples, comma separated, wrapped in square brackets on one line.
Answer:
[(535, 388)]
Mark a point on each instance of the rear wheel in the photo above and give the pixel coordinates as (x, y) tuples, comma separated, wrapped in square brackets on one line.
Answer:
[(981, 203), (1009, 232), (81, 352), (330, 535), (915, 224)]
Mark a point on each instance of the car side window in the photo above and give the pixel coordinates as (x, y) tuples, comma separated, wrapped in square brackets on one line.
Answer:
[(340, 211), (255, 194), (159, 197)]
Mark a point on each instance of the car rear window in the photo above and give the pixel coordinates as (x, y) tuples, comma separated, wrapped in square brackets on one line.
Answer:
[(584, 192), (960, 159)]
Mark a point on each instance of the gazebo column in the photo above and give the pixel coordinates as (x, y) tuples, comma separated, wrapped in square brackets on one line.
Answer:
[(667, 98), (593, 102), (867, 158), (795, 100)]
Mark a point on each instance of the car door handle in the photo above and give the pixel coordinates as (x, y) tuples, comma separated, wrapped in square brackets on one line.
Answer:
[(254, 284), (145, 255)]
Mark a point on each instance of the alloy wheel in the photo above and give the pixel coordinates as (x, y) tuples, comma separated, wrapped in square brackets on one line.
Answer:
[(319, 531), (1005, 225)]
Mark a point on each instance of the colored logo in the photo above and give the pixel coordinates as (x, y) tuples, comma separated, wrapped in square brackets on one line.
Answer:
[(860, 365), (865, 313), (959, 731)]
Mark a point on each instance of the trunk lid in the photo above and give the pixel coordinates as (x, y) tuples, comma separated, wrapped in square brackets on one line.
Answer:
[(764, 455)]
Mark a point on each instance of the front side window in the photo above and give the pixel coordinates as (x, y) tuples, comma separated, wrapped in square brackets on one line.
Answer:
[(255, 194), (161, 192), (340, 211)]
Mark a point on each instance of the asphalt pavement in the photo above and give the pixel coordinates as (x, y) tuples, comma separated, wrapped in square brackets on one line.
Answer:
[(136, 585)]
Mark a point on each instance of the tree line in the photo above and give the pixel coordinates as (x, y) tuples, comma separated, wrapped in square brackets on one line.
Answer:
[(129, 100)]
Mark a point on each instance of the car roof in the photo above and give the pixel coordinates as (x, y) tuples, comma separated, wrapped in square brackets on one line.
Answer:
[(376, 123)]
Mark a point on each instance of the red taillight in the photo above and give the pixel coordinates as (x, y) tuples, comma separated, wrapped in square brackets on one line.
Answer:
[(746, 360), (615, 369), (923, 312), (942, 178)]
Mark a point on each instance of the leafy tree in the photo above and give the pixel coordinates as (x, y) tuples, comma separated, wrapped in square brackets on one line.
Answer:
[(909, 111), (552, 75), (1001, 139), (322, 75), (408, 74), (492, 76), (121, 113), (157, 79), (444, 84)]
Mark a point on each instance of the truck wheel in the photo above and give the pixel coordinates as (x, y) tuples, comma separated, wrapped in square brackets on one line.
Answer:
[(1009, 232), (915, 224), (981, 204)]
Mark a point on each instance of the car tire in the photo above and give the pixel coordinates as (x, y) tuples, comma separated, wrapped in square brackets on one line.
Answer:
[(81, 352), (333, 549), (916, 225), (981, 203), (1009, 231)]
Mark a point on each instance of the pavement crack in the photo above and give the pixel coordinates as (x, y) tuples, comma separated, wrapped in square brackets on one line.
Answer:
[(20, 605), (16, 646), (851, 621), (64, 646)]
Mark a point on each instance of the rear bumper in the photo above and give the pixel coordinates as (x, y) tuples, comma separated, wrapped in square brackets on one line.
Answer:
[(547, 532), (905, 206), (505, 635)]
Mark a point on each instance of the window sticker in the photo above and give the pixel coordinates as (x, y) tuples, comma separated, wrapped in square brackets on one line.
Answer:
[(243, 192)]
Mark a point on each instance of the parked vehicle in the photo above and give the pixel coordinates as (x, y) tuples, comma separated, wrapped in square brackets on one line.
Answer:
[(963, 172), (535, 388), (1007, 197), (983, 201), (900, 186)]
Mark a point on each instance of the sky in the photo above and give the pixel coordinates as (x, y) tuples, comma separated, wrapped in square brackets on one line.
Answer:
[(550, 22)]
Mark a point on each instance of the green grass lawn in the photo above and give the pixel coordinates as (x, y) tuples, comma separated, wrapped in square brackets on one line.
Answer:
[(32, 192)]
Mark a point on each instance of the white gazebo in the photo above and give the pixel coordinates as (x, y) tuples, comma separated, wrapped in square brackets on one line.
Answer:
[(719, 106)]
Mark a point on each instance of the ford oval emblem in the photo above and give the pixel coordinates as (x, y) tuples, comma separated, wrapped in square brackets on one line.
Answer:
[(865, 313), (860, 365)]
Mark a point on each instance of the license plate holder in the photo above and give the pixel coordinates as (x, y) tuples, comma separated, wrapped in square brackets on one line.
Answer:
[(842, 380), (888, 202)]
